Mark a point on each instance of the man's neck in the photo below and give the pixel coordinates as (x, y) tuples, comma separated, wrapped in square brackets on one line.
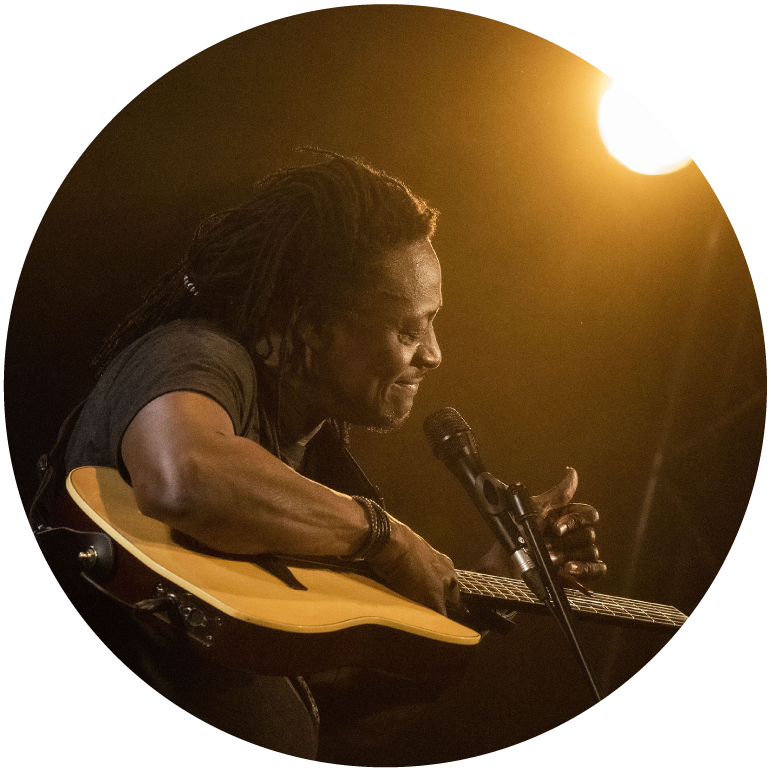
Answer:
[(300, 417)]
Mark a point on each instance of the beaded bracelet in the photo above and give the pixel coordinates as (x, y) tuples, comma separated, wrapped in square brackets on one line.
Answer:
[(379, 529)]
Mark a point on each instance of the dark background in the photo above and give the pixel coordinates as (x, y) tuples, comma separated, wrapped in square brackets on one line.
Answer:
[(593, 316)]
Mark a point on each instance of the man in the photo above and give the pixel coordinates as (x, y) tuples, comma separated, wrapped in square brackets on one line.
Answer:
[(226, 399)]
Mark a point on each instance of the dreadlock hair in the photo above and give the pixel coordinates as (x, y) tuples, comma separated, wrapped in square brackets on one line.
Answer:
[(299, 249)]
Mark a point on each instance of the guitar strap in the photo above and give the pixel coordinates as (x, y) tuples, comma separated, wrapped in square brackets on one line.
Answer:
[(60, 545), (52, 474)]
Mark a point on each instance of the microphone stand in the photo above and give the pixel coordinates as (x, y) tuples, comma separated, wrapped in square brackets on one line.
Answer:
[(524, 513)]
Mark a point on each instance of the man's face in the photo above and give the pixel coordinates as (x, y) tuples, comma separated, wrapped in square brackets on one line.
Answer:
[(370, 361)]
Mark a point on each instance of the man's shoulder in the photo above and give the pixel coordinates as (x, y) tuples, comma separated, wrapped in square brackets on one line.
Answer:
[(192, 340), (190, 330), (183, 355)]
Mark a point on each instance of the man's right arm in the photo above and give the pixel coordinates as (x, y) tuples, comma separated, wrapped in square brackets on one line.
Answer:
[(190, 470)]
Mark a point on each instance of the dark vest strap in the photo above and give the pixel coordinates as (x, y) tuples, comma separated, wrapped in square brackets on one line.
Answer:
[(334, 466)]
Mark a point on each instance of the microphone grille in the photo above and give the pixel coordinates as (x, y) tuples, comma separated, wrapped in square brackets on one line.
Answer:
[(445, 425)]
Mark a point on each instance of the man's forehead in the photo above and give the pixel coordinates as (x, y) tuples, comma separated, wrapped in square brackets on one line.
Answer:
[(404, 273)]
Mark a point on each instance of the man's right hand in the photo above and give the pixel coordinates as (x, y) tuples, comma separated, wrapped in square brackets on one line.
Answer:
[(410, 566)]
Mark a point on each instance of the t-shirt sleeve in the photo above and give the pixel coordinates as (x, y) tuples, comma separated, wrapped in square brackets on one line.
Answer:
[(178, 357)]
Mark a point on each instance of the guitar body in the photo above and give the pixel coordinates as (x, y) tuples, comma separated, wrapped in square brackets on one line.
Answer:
[(242, 615)]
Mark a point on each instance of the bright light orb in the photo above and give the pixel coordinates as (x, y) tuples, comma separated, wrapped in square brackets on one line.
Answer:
[(634, 136)]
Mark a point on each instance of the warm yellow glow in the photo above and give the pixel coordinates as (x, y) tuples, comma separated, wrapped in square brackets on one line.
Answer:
[(635, 136)]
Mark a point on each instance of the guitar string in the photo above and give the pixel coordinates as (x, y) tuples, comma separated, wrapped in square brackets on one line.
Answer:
[(514, 589)]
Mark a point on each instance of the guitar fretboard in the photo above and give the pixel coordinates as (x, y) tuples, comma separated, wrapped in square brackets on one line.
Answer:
[(513, 593)]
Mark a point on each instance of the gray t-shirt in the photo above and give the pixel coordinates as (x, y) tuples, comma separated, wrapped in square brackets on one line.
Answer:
[(184, 355)]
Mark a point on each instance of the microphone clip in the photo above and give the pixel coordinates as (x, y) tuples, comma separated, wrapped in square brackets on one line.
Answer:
[(520, 503)]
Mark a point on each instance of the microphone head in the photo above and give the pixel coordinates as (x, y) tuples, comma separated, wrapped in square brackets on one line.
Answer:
[(448, 434)]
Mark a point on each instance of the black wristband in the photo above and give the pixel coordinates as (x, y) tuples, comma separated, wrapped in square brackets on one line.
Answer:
[(379, 529)]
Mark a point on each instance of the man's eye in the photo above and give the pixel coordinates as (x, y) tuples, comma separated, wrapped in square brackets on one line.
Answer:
[(410, 337)]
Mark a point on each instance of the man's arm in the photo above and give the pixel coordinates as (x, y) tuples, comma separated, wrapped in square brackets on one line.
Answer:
[(190, 470)]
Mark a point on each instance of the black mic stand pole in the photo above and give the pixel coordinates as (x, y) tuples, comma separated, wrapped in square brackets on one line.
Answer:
[(524, 513)]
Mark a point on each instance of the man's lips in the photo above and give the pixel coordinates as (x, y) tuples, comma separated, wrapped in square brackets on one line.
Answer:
[(410, 385)]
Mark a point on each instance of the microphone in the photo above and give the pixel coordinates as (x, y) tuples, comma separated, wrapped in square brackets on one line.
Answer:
[(453, 443)]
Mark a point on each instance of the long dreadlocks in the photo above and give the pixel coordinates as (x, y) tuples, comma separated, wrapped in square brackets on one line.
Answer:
[(296, 251)]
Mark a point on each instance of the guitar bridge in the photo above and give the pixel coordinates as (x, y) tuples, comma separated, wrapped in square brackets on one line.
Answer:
[(178, 607)]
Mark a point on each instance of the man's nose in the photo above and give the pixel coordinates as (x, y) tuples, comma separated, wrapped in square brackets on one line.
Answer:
[(428, 352)]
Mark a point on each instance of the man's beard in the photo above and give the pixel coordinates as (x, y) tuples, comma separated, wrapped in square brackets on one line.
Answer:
[(383, 429), (390, 422)]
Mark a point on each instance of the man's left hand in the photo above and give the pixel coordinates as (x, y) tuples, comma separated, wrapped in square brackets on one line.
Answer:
[(568, 531)]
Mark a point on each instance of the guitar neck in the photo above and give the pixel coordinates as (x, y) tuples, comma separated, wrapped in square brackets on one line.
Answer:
[(513, 593)]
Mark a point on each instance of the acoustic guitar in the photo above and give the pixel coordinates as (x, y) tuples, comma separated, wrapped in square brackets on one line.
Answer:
[(286, 616)]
